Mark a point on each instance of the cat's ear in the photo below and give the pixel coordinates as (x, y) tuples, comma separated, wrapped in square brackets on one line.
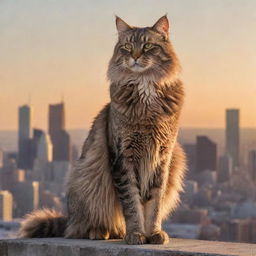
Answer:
[(162, 25), (121, 25)]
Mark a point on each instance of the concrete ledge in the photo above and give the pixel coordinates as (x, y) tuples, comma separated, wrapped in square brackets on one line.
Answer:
[(70, 247)]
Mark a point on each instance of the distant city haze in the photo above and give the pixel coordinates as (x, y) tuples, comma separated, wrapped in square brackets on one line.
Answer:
[(52, 49)]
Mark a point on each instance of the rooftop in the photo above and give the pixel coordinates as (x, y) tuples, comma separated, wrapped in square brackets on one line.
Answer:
[(72, 247)]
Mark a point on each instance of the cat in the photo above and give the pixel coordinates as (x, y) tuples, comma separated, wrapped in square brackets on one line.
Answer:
[(131, 169)]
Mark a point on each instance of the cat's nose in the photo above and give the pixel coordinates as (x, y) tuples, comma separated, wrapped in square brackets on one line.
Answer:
[(136, 55)]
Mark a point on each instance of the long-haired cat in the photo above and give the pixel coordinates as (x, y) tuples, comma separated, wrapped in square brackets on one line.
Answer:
[(131, 169)]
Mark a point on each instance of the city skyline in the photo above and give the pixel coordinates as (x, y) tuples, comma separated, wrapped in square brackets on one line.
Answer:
[(44, 125), (65, 51), (217, 197)]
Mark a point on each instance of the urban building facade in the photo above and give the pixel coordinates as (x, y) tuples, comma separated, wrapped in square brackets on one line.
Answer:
[(59, 137), (232, 135), (6, 205), (206, 154), (25, 159), (224, 168), (252, 165)]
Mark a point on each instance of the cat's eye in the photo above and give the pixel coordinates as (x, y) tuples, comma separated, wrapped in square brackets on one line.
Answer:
[(128, 46), (148, 46)]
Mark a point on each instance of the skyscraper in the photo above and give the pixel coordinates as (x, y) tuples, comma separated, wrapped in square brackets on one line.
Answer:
[(44, 150), (9, 174), (56, 118), (26, 196), (25, 160), (37, 133), (224, 168), (206, 154), (42, 164), (59, 137), (232, 135), (252, 165), (1, 158), (6, 204)]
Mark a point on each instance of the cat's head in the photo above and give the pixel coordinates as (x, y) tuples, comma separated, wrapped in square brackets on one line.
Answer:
[(146, 51)]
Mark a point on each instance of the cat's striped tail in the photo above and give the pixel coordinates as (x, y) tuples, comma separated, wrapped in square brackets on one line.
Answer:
[(43, 223)]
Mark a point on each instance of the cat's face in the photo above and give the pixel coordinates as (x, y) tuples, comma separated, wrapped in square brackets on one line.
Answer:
[(141, 50)]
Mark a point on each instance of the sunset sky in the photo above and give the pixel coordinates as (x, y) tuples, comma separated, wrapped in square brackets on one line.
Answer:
[(50, 48)]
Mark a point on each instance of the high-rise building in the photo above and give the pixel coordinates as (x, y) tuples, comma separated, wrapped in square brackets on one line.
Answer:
[(1, 158), (225, 168), (42, 164), (206, 154), (59, 137), (6, 204), (37, 133), (25, 158), (252, 164), (44, 148), (232, 135), (26, 197), (56, 118), (10, 174)]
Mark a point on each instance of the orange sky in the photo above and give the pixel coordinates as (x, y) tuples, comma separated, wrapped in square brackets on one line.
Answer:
[(54, 47)]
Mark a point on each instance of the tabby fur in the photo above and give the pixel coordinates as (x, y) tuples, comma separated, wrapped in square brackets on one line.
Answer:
[(130, 173)]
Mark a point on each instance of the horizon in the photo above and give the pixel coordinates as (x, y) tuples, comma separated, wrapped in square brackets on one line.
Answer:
[(181, 127)]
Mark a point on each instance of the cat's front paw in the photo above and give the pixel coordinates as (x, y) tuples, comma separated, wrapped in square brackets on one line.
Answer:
[(98, 234), (159, 237), (135, 238)]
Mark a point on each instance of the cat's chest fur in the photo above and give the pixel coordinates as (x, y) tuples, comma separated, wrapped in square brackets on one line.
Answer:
[(146, 92), (138, 99), (143, 101)]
